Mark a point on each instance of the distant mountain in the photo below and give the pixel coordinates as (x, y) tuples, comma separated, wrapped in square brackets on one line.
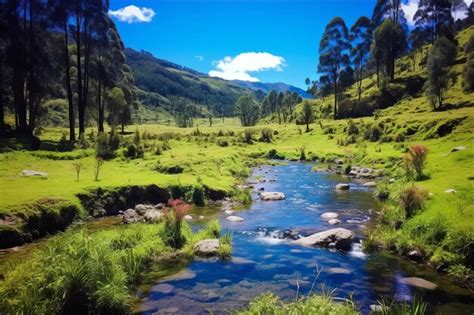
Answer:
[(163, 86), (268, 87)]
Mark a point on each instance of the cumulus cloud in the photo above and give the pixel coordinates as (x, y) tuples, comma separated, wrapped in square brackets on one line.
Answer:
[(240, 66), (133, 14)]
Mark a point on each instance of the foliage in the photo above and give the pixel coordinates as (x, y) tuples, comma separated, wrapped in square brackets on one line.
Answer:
[(248, 110), (412, 199), (266, 135), (307, 114), (134, 152), (415, 160)]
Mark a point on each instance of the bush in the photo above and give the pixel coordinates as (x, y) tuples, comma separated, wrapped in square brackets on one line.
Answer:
[(103, 149), (133, 151), (198, 196), (248, 136), (352, 128), (222, 143), (266, 135), (468, 75), (173, 222), (373, 133), (415, 160), (412, 199)]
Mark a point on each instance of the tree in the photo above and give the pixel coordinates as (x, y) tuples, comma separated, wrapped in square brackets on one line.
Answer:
[(361, 39), (468, 69), (334, 50), (389, 43), (388, 9), (307, 114), (117, 107), (418, 38), (248, 110), (441, 56), (307, 82), (434, 18)]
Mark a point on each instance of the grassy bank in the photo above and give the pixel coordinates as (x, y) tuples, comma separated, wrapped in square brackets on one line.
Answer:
[(81, 271)]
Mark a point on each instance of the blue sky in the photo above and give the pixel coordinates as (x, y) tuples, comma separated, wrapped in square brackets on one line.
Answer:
[(269, 41)]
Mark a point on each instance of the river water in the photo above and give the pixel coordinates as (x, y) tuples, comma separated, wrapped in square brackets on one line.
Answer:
[(262, 262)]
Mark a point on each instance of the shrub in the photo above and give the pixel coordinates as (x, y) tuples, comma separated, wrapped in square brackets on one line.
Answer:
[(373, 133), (114, 140), (103, 149), (248, 136), (412, 199), (352, 128), (173, 222), (98, 164), (222, 143), (302, 154), (266, 135), (415, 160), (77, 167), (64, 144), (468, 75), (198, 196), (243, 196), (133, 151)]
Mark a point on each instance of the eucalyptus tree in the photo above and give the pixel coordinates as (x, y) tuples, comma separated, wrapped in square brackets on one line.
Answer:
[(334, 51), (388, 9), (361, 39), (307, 114), (248, 110), (435, 18)]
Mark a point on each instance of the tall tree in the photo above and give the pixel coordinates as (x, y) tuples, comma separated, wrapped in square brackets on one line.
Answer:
[(248, 110), (307, 114), (435, 18), (361, 39), (334, 50), (441, 56), (389, 43), (388, 9)]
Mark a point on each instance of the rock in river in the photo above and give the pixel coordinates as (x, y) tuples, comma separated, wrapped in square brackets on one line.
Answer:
[(339, 237), (343, 186), (334, 221), (153, 215), (207, 247), (370, 184), (131, 216), (419, 282), (329, 215), (234, 218), (163, 288), (272, 195)]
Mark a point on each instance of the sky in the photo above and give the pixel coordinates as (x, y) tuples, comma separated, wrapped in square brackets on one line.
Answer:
[(252, 40)]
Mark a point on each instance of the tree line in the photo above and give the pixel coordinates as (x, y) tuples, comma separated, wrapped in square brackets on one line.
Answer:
[(371, 46), (68, 49)]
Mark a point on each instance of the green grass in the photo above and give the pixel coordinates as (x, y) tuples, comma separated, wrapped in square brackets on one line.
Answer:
[(84, 271)]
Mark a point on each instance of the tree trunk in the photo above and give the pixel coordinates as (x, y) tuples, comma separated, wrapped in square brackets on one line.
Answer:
[(72, 120), (307, 127), (2, 105), (335, 99), (80, 96)]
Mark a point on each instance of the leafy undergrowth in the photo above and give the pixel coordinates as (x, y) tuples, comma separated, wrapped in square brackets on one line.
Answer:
[(81, 272), (315, 304)]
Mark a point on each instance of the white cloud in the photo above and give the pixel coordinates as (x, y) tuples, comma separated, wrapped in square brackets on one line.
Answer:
[(133, 14), (200, 58), (410, 9), (240, 66)]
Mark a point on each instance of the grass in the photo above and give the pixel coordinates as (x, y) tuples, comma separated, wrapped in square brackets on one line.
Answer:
[(84, 271)]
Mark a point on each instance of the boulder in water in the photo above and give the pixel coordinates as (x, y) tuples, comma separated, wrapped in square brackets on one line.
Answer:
[(334, 221), (418, 282), (329, 215), (234, 218), (272, 195), (339, 238), (342, 186), (207, 247), (370, 184), (131, 216), (153, 215), (188, 217)]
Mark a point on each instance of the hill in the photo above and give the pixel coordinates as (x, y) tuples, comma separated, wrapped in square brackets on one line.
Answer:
[(268, 87)]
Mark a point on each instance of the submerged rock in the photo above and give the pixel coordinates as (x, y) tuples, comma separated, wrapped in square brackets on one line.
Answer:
[(343, 186), (419, 282), (234, 218), (339, 271), (370, 184), (329, 215), (272, 195), (164, 288), (207, 247), (229, 211), (339, 238)]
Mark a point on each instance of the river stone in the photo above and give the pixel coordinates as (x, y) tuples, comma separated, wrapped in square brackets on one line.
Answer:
[(450, 191), (142, 209), (370, 184), (341, 239), (334, 221), (299, 282), (182, 275), (234, 218), (188, 217), (164, 288), (339, 161), (272, 195), (33, 173), (131, 216), (207, 247), (343, 186), (460, 148), (153, 215), (329, 215), (376, 308), (419, 282), (339, 271), (229, 211)]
